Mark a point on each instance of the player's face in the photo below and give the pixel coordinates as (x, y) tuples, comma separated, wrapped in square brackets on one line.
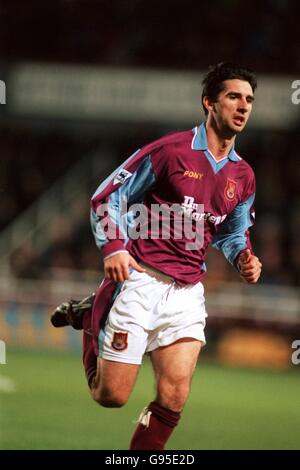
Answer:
[(233, 107)]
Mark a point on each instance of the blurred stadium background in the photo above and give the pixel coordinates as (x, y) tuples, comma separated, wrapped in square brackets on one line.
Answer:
[(87, 83)]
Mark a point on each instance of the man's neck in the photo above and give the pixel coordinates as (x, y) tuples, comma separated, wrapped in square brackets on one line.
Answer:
[(218, 145)]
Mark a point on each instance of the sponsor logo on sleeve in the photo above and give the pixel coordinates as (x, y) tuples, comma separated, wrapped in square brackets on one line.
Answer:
[(121, 177)]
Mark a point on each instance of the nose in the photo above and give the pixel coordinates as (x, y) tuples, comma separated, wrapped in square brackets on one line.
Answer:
[(243, 106)]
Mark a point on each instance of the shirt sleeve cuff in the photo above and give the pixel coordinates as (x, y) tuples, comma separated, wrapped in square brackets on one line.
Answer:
[(114, 253), (111, 247)]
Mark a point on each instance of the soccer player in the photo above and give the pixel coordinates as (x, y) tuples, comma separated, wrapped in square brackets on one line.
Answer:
[(154, 219)]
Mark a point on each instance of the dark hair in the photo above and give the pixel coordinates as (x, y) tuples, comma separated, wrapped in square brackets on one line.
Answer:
[(213, 82)]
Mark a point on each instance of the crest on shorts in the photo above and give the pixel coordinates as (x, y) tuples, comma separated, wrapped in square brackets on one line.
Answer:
[(230, 189), (119, 342)]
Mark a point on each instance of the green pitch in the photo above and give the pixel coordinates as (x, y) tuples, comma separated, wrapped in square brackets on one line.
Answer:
[(44, 404)]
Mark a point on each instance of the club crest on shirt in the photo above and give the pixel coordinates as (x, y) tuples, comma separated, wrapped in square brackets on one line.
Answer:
[(230, 189), (119, 341)]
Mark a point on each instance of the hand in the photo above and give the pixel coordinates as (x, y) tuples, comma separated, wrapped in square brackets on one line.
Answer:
[(116, 267), (249, 267)]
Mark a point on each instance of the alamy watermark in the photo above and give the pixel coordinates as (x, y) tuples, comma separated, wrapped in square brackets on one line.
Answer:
[(183, 221), (2, 92), (296, 354), (2, 352), (295, 96)]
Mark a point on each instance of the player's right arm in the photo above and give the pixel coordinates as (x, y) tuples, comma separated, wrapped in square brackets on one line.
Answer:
[(110, 211)]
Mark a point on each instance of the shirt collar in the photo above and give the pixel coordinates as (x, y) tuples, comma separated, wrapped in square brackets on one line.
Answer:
[(200, 142)]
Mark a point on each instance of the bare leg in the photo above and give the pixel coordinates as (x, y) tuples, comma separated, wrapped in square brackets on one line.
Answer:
[(174, 366), (113, 382)]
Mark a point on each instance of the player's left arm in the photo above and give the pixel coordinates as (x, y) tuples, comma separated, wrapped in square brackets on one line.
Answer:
[(233, 239)]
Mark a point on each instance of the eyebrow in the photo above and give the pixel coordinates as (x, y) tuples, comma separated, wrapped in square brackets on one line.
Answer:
[(238, 95)]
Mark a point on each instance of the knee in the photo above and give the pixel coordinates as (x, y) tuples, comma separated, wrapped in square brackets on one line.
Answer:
[(111, 402), (108, 399), (173, 395), (177, 399)]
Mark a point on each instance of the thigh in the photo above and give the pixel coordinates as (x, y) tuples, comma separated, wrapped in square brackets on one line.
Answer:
[(117, 375), (114, 381), (174, 366)]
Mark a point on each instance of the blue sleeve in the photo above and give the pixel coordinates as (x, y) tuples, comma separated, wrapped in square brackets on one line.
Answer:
[(125, 187), (233, 234)]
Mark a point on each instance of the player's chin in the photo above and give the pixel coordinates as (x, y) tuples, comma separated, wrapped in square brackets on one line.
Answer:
[(238, 128)]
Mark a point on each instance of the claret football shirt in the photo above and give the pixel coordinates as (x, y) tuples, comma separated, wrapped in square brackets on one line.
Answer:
[(170, 200)]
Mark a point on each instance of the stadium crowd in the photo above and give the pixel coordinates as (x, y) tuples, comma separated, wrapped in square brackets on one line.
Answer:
[(153, 34)]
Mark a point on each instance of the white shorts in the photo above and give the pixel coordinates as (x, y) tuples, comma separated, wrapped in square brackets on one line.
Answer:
[(148, 314)]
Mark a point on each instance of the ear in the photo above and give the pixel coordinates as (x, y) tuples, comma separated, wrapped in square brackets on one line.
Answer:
[(208, 104)]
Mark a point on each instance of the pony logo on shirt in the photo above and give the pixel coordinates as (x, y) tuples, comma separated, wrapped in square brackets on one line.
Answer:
[(230, 189), (119, 342), (122, 176), (193, 174)]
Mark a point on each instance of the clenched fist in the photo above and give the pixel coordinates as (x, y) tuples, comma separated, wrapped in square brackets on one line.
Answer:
[(249, 267)]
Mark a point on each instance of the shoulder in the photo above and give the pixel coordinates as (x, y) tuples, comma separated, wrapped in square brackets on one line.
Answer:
[(246, 179), (164, 149), (170, 141), (244, 168)]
